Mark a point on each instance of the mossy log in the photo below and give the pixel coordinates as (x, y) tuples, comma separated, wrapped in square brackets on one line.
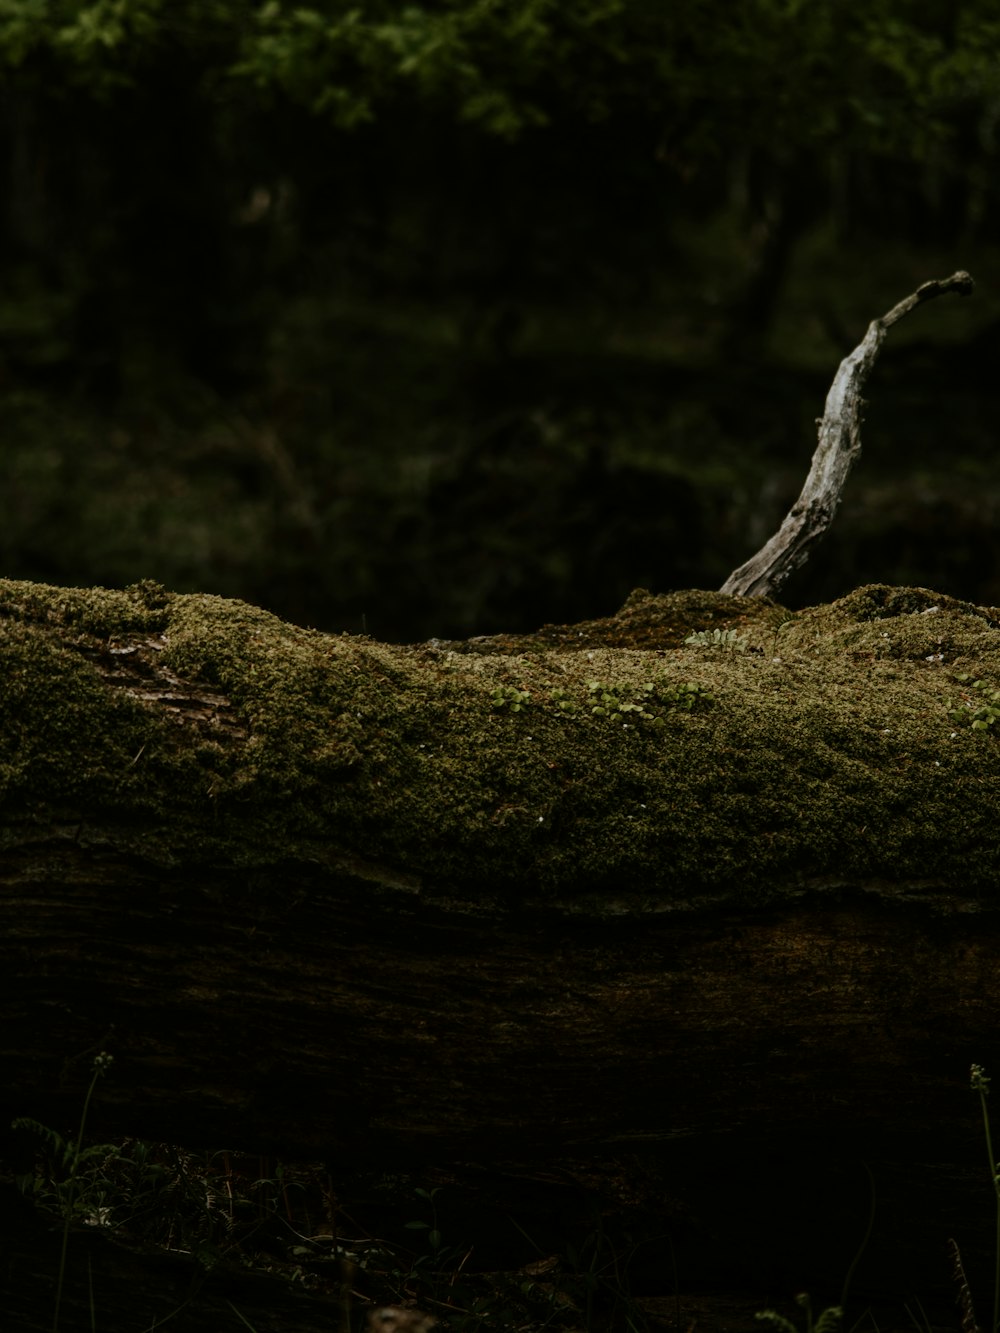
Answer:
[(592, 887)]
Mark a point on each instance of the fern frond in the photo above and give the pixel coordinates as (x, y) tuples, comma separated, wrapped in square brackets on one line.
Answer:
[(105, 1151), (55, 1141)]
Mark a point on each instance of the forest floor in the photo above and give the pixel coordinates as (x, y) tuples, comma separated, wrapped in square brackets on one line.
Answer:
[(571, 1247)]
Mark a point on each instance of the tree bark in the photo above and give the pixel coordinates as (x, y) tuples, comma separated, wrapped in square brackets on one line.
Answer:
[(594, 887), (839, 446)]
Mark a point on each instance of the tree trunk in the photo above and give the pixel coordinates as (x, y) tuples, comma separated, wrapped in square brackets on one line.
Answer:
[(594, 887)]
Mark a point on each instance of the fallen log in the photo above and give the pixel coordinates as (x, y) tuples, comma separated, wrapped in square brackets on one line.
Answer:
[(597, 887)]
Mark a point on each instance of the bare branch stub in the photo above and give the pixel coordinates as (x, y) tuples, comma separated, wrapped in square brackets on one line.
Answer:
[(839, 445)]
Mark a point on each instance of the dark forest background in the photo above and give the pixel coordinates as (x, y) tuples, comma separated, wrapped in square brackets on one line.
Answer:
[(457, 317)]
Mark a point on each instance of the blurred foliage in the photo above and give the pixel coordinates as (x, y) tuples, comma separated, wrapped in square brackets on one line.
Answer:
[(442, 318), (888, 75)]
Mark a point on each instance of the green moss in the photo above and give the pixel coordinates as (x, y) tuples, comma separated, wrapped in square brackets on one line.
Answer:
[(59, 734), (823, 755), (97, 611)]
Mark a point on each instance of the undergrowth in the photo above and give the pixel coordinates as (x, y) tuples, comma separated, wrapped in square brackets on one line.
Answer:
[(225, 1210), (831, 1319), (229, 1209)]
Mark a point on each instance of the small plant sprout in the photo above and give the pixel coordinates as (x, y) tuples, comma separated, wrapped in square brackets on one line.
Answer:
[(727, 639), (685, 696), (980, 712), (429, 1268), (613, 701), (625, 703), (512, 699), (431, 1227)]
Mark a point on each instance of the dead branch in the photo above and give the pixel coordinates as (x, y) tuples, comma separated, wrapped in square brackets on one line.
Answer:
[(839, 445)]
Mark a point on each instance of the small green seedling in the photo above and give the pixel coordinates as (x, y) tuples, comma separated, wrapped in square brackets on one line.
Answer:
[(612, 701), (512, 699), (979, 713), (718, 638), (622, 703), (619, 702), (686, 696)]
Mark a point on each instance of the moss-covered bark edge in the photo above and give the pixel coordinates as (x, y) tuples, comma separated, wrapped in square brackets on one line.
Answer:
[(811, 751)]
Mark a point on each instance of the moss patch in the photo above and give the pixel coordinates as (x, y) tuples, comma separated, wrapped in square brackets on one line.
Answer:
[(825, 754)]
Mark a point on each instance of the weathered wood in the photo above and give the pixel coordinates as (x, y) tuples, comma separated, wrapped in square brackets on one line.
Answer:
[(765, 573), (327, 896)]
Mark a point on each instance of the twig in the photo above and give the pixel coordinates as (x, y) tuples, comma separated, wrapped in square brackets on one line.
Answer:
[(839, 445)]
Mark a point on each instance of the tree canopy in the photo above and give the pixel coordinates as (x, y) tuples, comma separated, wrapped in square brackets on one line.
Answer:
[(902, 77)]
